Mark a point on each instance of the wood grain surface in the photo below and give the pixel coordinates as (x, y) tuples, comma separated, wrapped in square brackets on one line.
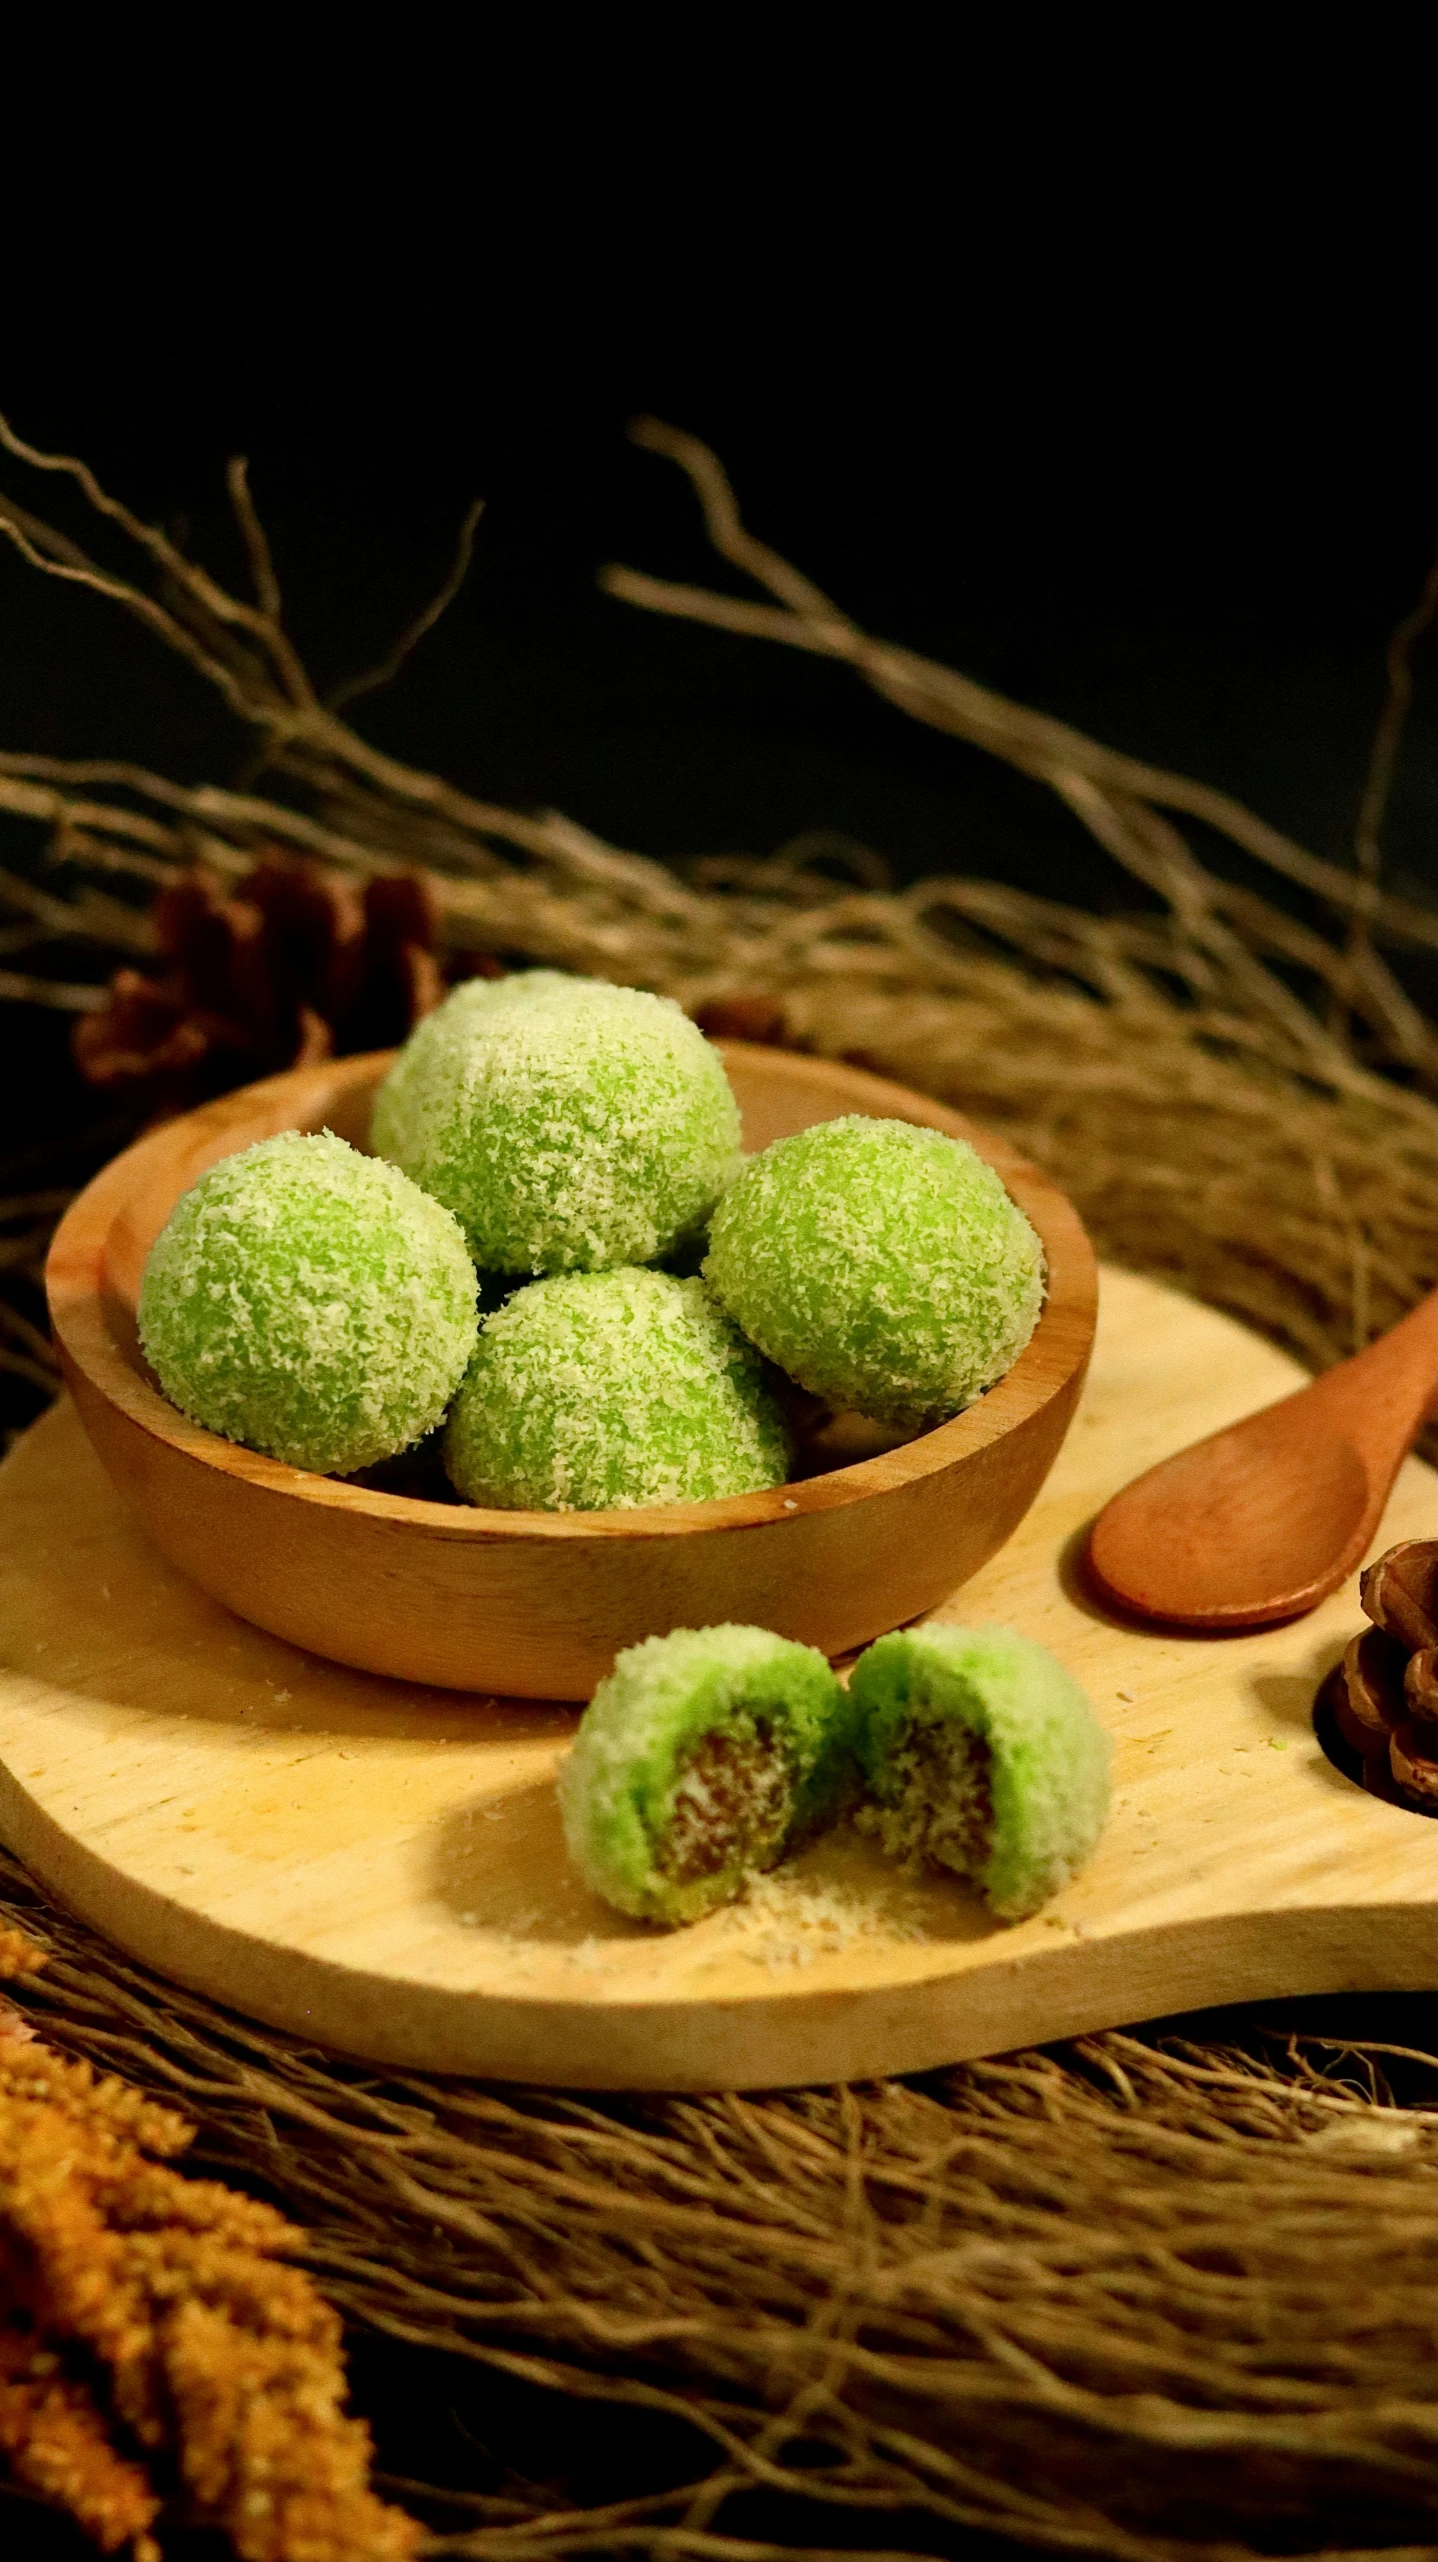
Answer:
[(380, 1866)]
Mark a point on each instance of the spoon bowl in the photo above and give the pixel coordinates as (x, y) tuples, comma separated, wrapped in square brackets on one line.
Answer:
[(1258, 1523)]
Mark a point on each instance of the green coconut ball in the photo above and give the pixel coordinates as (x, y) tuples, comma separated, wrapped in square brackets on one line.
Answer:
[(883, 1266), (569, 1125), (311, 1303), (702, 1758), (980, 1754), (598, 1391)]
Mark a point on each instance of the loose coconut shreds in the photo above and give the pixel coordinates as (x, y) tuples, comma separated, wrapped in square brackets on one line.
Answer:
[(779, 1918), (881, 1265), (635, 1748), (311, 1303), (802, 1918), (570, 1125), (603, 1391)]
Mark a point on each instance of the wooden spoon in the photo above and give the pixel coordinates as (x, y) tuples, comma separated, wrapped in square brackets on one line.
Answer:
[(1257, 1523)]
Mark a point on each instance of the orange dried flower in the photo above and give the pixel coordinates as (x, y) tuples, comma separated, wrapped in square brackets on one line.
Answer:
[(144, 2314)]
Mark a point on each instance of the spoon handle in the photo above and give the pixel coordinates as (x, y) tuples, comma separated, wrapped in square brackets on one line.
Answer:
[(1384, 1394)]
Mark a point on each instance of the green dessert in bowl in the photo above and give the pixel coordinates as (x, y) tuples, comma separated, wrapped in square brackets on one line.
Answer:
[(568, 1124), (310, 1303), (884, 1267), (605, 1390)]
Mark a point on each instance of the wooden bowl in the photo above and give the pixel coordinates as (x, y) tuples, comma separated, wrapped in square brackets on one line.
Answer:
[(534, 1604)]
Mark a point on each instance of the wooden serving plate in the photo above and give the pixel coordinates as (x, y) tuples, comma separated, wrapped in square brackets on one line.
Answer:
[(380, 1866), (539, 1603)]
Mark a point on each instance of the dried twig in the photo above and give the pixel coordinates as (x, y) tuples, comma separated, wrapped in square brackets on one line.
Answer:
[(1209, 1123), (1378, 783), (409, 639), (1033, 742)]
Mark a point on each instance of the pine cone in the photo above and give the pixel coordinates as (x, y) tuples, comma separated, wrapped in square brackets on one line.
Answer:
[(743, 1018), (1386, 1707), (292, 966)]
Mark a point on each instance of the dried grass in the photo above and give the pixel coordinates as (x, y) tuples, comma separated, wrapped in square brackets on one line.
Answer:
[(1136, 2296), (1132, 2297)]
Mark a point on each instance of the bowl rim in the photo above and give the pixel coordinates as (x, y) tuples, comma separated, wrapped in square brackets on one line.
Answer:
[(75, 1278)]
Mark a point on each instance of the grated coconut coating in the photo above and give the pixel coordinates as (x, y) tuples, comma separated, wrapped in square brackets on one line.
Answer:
[(309, 1302), (883, 1266), (568, 1124), (598, 1391), (981, 1754), (699, 1761)]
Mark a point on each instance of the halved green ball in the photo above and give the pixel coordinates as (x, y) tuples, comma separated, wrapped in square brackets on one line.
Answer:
[(602, 1390), (699, 1761), (311, 1303), (569, 1125), (882, 1265), (980, 1754)]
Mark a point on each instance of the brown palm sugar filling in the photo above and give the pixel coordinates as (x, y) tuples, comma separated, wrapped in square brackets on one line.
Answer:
[(942, 1814), (732, 1804)]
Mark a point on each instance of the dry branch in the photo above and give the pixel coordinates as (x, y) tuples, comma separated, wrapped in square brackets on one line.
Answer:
[(1045, 748), (1212, 1123)]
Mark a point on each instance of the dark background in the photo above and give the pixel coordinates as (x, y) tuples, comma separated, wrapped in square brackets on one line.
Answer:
[(1177, 495), (1178, 500)]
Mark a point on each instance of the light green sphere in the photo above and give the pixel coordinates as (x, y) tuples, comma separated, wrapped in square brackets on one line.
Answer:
[(311, 1303), (980, 1754), (883, 1266), (701, 1760), (599, 1391), (569, 1125)]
